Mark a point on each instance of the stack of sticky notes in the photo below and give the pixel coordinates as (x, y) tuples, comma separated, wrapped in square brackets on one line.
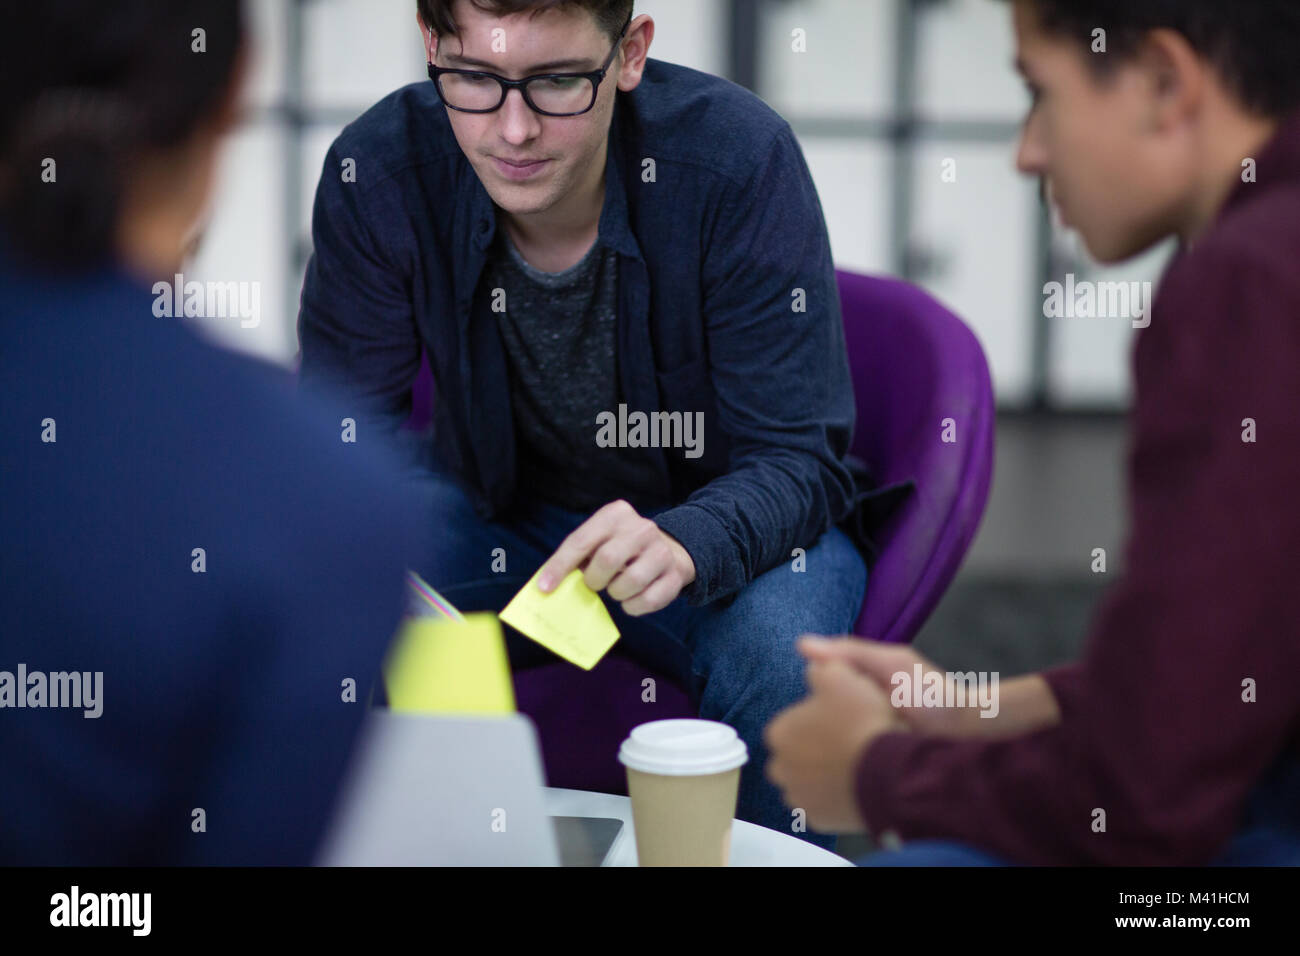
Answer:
[(446, 666), (444, 662)]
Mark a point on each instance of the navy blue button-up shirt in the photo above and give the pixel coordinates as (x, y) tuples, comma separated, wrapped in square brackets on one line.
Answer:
[(727, 306)]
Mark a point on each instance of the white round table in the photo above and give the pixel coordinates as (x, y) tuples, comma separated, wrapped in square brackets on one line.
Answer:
[(751, 845)]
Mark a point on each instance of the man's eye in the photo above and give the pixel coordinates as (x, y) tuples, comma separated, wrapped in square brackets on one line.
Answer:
[(561, 82), (473, 80)]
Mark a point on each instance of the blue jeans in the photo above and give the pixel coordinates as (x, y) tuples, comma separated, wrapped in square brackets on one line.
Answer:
[(1269, 834), (736, 656)]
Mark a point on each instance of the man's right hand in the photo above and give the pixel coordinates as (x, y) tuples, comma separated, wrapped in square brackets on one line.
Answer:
[(881, 661), (1025, 704)]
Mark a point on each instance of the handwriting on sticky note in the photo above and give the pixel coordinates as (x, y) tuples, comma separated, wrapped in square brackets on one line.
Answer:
[(570, 621), (440, 665)]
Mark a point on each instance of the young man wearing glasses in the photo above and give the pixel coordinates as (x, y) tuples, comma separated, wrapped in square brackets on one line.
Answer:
[(580, 236)]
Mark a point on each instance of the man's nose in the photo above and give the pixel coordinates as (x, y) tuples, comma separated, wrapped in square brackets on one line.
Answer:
[(1031, 157), (518, 121)]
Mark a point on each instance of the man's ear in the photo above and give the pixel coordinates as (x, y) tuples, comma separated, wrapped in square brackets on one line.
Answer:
[(636, 47), (430, 38), (1177, 77)]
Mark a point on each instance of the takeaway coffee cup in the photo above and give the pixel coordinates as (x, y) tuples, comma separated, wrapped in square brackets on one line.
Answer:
[(683, 776)]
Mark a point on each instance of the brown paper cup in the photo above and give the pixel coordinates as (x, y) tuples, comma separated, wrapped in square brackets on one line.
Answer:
[(683, 821), (683, 777)]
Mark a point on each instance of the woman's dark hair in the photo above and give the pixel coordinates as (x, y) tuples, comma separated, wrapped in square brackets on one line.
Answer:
[(90, 85), (610, 14), (1254, 44)]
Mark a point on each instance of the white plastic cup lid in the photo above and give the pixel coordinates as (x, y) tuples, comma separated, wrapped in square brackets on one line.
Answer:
[(680, 748)]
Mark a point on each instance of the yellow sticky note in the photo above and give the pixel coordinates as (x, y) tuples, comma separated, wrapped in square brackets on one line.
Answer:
[(570, 621), (444, 666)]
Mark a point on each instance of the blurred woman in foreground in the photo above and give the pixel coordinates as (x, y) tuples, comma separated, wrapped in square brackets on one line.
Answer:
[(199, 577)]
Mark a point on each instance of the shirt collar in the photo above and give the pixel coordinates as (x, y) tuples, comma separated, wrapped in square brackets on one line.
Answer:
[(1278, 162)]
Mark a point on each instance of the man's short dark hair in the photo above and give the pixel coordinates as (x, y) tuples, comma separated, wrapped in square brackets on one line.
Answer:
[(610, 14), (1254, 44)]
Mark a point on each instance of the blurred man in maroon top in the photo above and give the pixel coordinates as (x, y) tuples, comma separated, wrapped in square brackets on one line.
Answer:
[(1175, 739)]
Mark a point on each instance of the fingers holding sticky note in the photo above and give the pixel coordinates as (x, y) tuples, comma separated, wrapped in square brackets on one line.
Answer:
[(570, 621)]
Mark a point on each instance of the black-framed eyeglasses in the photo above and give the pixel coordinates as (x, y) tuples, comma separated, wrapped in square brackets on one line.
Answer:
[(551, 94)]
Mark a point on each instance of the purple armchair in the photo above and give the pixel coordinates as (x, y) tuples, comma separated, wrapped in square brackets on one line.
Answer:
[(913, 364)]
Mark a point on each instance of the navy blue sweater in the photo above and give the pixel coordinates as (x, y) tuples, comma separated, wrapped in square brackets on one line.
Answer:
[(221, 691), (727, 306)]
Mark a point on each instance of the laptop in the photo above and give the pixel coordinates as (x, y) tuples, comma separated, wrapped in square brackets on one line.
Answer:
[(433, 790)]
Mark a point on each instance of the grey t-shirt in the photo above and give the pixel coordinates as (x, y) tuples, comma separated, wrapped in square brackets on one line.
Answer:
[(558, 329)]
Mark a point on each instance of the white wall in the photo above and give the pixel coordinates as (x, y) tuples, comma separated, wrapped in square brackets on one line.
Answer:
[(979, 231)]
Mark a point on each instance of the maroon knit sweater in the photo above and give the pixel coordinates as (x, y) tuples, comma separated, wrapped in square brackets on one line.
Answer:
[(1154, 729)]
